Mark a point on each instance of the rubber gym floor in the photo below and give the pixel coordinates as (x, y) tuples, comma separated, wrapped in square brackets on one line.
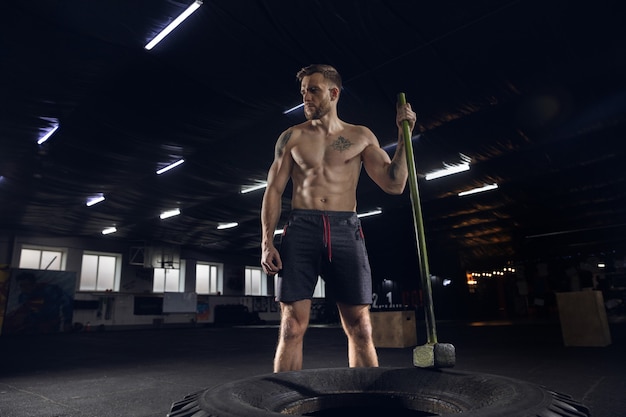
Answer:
[(143, 372)]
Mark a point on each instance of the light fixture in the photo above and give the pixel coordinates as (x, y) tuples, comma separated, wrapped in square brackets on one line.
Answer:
[(294, 108), (448, 170), (222, 226), (184, 15), (170, 213), (109, 230), (278, 232), (94, 200), (47, 135), (170, 166), (370, 213), (250, 188), (487, 187), (391, 146), (601, 265)]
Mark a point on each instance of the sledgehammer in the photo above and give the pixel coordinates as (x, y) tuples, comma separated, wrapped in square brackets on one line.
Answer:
[(432, 354)]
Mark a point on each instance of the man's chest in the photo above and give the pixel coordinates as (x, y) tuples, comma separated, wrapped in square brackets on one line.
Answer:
[(335, 151)]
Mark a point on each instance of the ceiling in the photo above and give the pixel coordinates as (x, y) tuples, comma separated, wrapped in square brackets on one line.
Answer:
[(533, 93)]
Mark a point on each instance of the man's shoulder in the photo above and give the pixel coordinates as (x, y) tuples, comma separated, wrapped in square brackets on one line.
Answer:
[(359, 129), (301, 127), (296, 129), (360, 133), (308, 128)]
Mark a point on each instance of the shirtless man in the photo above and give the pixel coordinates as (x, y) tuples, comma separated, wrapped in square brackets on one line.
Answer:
[(323, 236)]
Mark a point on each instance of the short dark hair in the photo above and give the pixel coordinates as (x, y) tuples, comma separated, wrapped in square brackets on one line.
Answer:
[(328, 71)]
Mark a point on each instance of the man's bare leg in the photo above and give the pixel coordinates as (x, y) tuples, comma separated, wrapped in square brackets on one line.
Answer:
[(356, 323), (294, 320)]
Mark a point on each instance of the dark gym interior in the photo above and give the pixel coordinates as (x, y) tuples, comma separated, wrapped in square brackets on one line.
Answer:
[(528, 278)]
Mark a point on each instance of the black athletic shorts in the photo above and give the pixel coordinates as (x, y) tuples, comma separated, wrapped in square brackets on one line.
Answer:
[(329, 244)]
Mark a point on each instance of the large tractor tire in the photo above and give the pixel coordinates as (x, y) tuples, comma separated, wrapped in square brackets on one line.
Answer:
[(398, 392)]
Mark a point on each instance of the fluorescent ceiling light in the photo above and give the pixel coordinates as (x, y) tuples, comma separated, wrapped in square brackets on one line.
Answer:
[(479, 189), (230, 225), (370, 213), (95, 200), (170, 166), (278, 232), (109, 230), (184, 15), (394, 143), (47, 135), (170, 213), (294, 108), (250, 188), (448, 170)]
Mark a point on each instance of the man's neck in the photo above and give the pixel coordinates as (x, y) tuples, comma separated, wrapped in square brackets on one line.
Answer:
[(328, 123)]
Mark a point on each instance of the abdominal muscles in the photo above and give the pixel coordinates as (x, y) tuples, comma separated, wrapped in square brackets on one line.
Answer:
[(325, 189)]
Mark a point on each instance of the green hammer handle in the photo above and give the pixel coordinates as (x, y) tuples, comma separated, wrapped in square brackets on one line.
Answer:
[(419, 231)]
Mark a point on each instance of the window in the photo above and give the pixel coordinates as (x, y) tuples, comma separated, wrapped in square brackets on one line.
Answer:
[(256, 281), (100, 271), (51, 259), (209, 278), (169, 279), (320, 288)]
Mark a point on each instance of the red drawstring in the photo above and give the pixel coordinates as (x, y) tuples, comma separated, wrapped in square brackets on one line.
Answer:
[(327, 241)]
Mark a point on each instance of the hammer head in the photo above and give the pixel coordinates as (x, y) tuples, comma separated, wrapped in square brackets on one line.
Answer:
[(434, 355)]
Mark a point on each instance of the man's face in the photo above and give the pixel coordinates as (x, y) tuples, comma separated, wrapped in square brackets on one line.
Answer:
[(315, 96)]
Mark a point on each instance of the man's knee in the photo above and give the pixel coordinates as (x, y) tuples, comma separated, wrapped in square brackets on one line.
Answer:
[(292, 328), (294, 320), (357, 323), (361, 329)]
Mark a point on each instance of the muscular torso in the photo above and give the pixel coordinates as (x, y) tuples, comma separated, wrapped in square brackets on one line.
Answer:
[(326, 167)]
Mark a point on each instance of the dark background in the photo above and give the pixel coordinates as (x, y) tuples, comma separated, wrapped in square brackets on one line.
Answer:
[(532, 93)]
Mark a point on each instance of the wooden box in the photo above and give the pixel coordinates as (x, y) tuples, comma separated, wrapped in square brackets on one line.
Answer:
[(394, 328), (583, 318)]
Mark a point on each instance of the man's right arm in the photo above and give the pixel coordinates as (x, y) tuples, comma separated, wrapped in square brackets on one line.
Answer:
[(277, 178)]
